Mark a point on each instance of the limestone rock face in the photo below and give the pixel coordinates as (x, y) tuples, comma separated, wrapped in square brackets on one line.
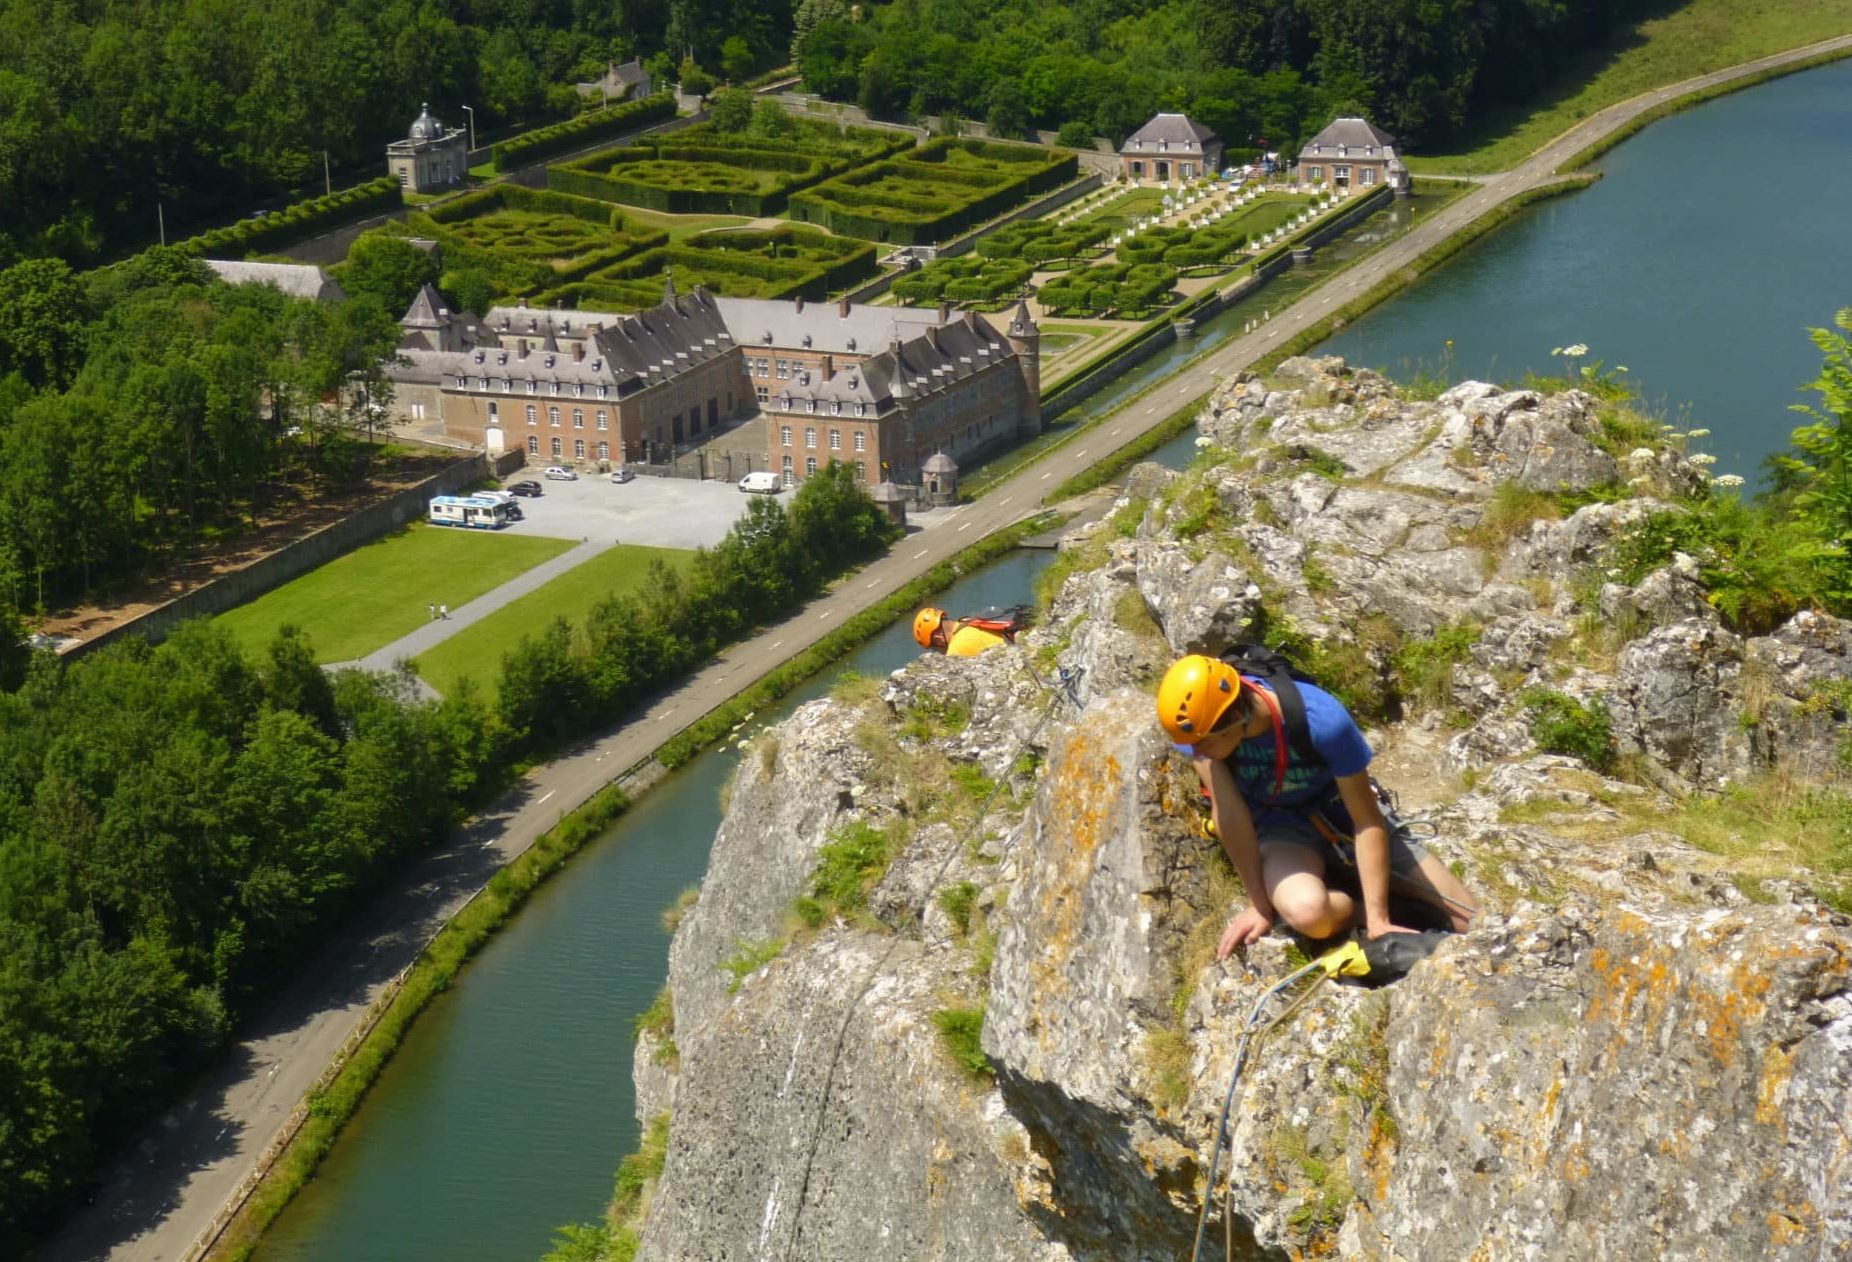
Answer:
[(1639, 1050)]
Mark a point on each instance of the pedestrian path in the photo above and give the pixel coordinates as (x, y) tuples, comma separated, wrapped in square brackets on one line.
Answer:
[(438, 630)]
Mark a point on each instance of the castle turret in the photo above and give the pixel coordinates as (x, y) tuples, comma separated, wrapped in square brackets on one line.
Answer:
[(1025, 338)]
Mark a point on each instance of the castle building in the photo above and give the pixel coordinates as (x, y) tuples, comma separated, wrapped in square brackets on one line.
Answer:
[(431, 157), (879, 388)]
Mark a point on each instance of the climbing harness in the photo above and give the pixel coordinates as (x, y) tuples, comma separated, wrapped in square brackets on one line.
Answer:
[(1067, 681), (1348, 960)]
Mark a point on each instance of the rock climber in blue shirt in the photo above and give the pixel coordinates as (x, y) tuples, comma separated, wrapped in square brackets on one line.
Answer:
[(1281, 815)]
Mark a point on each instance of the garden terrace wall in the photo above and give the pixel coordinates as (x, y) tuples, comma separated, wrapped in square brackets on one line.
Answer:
[(247, 236), (593, 125), (951, 199)]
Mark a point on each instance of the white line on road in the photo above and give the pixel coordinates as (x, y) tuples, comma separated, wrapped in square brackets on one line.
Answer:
[(964, 528), (1080, 455), (1116, 432), (543, 801), (919, 554), (1045, 475), (826, 613), (871, 582), (779, 642), (1005, 500)]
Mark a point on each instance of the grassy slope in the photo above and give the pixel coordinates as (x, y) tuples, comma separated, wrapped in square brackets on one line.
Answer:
[(1699, 37), (378, 592), (477, 650)]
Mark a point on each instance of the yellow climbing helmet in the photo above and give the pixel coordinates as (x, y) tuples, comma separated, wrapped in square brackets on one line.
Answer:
[(925, 623), (1196, 692)]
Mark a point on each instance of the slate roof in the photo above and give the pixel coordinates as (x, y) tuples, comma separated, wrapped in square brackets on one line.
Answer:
[(930, 360), (820, 326), (625, 79), (1355, 136), (1177, 132), (298, 280)]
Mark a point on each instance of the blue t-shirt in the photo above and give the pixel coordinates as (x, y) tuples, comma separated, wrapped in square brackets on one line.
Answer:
[(1335, 735)]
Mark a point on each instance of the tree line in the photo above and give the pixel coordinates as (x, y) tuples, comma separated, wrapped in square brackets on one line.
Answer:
[(1258, 72), (145, 405), (210, 109), (179, 825)]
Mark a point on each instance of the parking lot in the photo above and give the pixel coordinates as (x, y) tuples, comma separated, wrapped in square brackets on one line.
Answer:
[(658, 512)]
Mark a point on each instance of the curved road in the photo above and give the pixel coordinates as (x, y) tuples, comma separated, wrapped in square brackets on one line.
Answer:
[(162, 1199)]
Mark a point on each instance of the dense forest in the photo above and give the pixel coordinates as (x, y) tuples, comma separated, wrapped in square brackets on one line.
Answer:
[(145, 405), (178, 825), (211, 108), (1254, 70)]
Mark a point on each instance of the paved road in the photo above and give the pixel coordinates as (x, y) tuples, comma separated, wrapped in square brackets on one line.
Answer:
[(160, 1200)]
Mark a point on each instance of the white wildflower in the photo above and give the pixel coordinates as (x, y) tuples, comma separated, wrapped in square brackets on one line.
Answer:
[(1674, 434), (1203, 440), (1702, 458), (1640, 453), (1728, 481), (1642, 480), (1577, 351), (1697, 433)]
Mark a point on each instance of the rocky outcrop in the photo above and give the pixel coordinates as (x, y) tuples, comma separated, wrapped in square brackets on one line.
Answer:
[(1641, 1049)]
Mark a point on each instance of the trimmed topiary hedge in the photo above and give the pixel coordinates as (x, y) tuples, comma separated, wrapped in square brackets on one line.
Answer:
[(778, 263), (249, 236), (701, 171), (1121, 287), (544, 141), (939, 190)]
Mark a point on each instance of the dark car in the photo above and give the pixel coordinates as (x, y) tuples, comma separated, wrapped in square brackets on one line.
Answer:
[(524, 488), (514, 512)]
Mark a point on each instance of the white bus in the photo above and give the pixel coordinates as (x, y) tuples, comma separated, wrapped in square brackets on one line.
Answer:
[(472, 511)]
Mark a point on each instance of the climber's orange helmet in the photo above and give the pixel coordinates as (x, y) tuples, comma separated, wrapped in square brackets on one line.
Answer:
[(926, 623), (1196, 692)]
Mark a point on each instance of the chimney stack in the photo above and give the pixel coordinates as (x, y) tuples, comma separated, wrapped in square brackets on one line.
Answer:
[(800, 302), (945, 315), (578, 351), (523, 348), (842, 309), (521, 303)]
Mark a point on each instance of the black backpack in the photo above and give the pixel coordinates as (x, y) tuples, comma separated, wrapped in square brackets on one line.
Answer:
[(1274, 669)]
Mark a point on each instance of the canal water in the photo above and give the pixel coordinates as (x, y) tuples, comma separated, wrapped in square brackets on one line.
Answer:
[(508, 1107), (1715, 240)]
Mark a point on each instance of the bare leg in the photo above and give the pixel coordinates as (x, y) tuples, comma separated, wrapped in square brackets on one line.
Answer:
[(1431, 882), (1295, 880)]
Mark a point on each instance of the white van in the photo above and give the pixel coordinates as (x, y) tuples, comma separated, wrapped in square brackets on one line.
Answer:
[(762, 482), (469, 511)]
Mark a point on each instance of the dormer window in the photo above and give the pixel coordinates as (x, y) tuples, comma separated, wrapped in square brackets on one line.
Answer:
[(479, 356), (806, 341), (597, 364), (550, 359), (851, 343)]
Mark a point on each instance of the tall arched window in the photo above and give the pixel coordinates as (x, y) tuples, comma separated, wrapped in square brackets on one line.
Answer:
[(531, 417), (533, 444), (578, 449), (553, 417), (578, 418), (556, 449)]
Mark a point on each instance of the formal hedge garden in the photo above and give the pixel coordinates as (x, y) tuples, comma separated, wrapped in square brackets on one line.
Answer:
[(937, 191), (1132, 290), (784, 262), (249, 236), (704, 171), (968, 280), (582, 130), (524, 240)]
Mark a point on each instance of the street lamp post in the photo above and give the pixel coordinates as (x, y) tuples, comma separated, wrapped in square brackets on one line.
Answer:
[(472, 127)]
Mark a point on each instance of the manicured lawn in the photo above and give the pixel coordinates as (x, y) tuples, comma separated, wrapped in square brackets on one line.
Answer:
[(477, 650), (1123, 212), (1700, 36), (373, 595), (679, 226)]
